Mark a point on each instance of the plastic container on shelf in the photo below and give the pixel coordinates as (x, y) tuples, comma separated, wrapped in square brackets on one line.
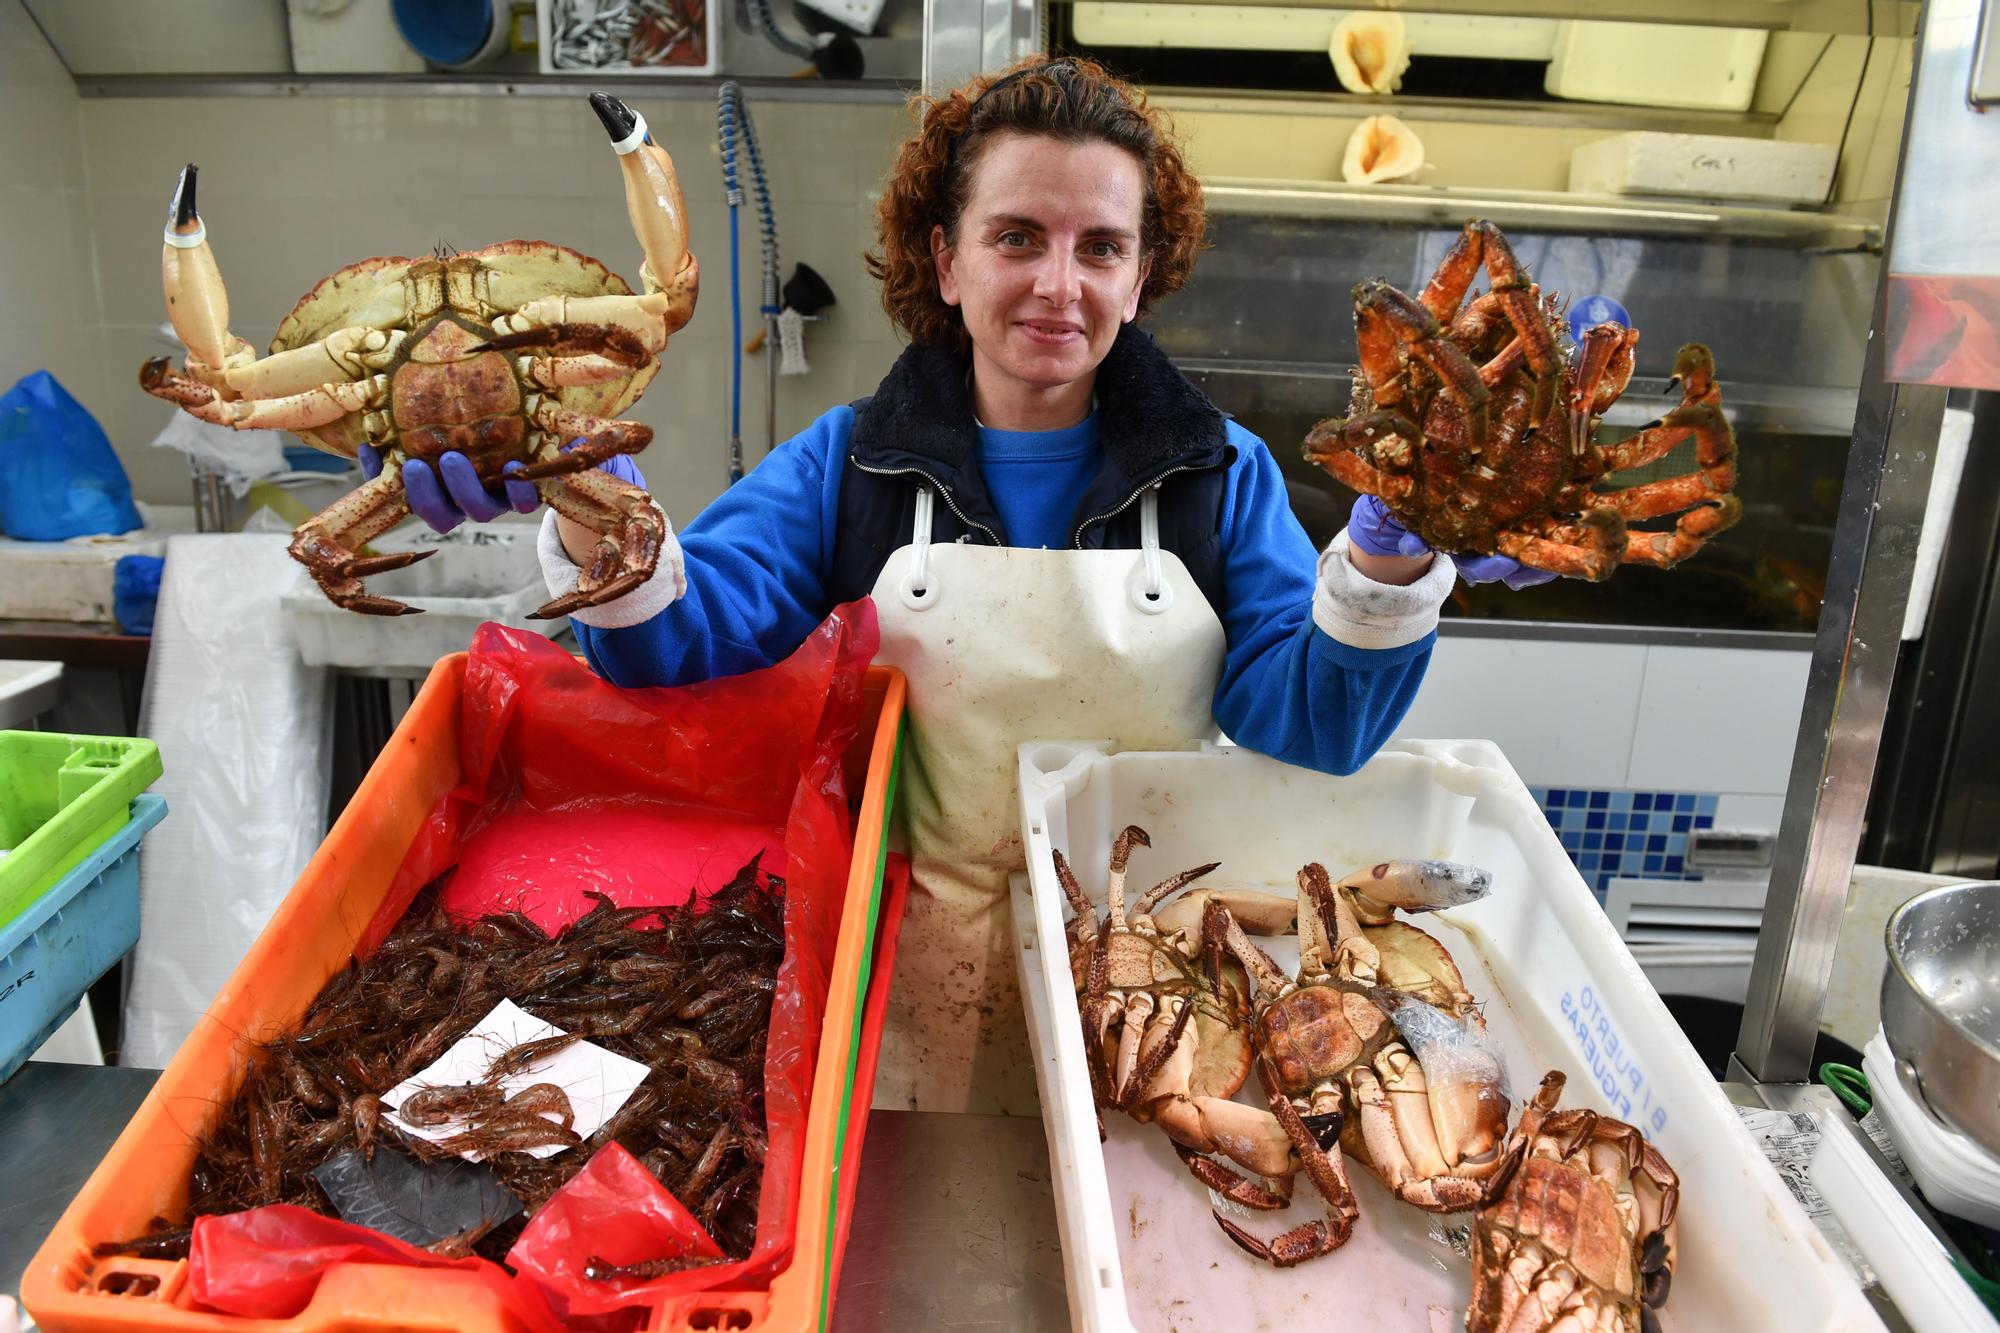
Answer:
[(73, 581), (1956, 1175), (553, 18), (145, 1173), (1560, 990), (70, 936), (482, 573), (60, 798)]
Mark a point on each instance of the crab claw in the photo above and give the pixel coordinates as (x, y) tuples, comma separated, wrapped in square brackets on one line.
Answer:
[(1419, 886), (1464, 1077), (197, 302), (652, 191)]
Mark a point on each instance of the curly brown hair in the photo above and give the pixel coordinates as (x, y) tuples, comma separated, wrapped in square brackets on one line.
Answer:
[(1071, 99)]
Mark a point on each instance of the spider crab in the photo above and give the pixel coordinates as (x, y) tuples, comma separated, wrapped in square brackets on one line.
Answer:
[(1579, 1233), (505, 354), (1165, 1014), (1475, 429), (1377, 1022)]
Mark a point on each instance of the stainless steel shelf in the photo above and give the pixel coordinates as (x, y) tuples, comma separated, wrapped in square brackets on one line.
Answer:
[(1544, 210), (1879, 18), (661, 88)]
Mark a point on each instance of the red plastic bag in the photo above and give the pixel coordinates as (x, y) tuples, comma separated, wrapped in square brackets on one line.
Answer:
[(572, 784)]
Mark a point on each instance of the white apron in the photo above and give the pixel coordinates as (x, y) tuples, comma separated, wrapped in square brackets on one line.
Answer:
[(1002, 645)]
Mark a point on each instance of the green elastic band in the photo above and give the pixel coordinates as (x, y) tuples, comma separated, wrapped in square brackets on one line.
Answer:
[(1850, 1085)]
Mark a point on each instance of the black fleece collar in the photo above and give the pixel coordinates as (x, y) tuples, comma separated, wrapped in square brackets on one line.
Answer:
[(1152, 422)]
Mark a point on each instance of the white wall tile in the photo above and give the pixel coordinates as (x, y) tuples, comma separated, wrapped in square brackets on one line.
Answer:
[(1718, 719), (1750, 813), (1562, 713)]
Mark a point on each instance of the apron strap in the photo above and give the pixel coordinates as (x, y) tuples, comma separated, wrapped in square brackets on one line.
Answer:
[(1151, 593), (918, 591)]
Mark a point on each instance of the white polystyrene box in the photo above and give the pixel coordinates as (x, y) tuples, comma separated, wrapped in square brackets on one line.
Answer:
[(481, 573), (72, 580), (1652, 64), (1704, 166), (1561, 991)]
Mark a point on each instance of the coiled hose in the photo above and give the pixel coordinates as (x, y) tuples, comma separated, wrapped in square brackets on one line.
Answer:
[(756, 16), (732, 118)]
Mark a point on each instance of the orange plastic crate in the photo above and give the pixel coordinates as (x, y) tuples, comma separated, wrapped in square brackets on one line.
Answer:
[(145, 1174)]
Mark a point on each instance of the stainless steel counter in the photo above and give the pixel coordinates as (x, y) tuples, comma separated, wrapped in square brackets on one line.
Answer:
[(55, 1123), (954, 1223)]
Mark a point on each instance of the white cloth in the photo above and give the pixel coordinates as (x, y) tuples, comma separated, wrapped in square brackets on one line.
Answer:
[(1361, 613)]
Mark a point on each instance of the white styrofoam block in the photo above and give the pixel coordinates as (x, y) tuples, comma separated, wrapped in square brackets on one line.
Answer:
[(1530, 697), (1705, 166), (1140, 1249), (1718, 719), (69, 580), (1652, 64)]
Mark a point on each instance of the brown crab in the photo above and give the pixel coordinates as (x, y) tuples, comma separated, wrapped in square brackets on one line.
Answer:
[(1165, 1014), (506, 354), (1579, 1233), (1377, 1023), (1475, 430)]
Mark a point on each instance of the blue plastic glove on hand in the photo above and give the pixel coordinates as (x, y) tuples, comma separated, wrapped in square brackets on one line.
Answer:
[(1371, 528), (446, 496)]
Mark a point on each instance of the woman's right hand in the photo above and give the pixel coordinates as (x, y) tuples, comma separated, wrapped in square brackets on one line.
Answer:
[(445, 496)]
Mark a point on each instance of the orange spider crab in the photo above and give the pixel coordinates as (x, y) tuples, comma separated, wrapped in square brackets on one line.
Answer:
[(503, 354), (1475, 430)]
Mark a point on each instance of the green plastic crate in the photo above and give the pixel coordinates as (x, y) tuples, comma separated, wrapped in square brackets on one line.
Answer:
[(60, 798)]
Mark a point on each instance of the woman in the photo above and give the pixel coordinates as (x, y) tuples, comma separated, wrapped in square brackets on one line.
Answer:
[(1062, 536)]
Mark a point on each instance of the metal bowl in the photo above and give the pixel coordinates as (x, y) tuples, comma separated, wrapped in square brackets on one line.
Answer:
[(1941, 1004)]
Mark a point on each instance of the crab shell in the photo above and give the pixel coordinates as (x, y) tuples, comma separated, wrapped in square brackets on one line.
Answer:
[(361, 294)]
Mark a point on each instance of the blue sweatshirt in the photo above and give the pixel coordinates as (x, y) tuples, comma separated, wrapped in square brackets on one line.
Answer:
[(1320, 666)]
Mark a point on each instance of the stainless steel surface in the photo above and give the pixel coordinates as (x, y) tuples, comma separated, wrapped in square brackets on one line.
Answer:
[(1599, 117), (666, 89), (1461, 627), (967, 37), (1442, 206), (954, 1228), (1840, 729), (1880, 18), (55, 1123), (1983, 87), (1941, 1004), (1944, 261)]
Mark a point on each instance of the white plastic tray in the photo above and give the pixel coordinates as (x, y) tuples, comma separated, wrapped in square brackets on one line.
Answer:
[(1139, 1247), (487, 572)]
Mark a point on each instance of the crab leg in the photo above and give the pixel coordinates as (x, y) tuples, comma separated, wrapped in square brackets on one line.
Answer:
[(197, 301), (1323, 1168), (1374, 453), (1389, 325), (1121, 854), (1690, 534), (1482, 244), (345, 354), (1714, 454), (1603, 368), (1138, 1009), (1085, 922), (319, 406), (632, 531), (326, 543), (603, 438), (1143, 908), (1596, 553)]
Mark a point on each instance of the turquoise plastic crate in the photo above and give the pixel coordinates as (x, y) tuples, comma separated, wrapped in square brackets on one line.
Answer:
[(70, 936)]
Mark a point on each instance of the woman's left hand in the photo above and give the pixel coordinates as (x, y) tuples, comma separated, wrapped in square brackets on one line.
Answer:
[(1372, 529)]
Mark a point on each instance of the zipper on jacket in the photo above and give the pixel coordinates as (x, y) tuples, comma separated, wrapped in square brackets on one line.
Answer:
[(942, 490), (1110, 514)]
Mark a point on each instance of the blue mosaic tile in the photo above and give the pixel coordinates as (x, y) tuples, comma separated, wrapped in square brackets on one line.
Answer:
[(1557, 800), (1684, 803), (1614, 842), (1621, 800), (1642, 800), (1623, 834), (1593, 842), (1707, 805), (1672, 865), (1657, 843), (1704, 821), (1654, 864), (1619, 820), (1682, 823), (1600, 800), (1596, 819)]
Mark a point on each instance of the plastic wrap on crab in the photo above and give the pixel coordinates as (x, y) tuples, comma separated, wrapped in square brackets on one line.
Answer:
[(524, 353), (1474, 427)]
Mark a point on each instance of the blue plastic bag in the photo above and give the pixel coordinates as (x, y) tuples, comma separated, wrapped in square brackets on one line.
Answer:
[(58, 475)]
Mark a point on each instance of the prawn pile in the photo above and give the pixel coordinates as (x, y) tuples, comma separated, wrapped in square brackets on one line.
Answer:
[(685, 990)]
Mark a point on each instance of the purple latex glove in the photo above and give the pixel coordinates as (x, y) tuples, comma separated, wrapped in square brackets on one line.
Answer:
[(459, 496), (1371, 528)]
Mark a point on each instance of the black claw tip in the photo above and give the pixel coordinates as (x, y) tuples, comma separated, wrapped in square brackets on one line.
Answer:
[(184, 210), (1674, 384), (1653, 1253), (619, 120), (1654, 424), (1325, 1129)]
